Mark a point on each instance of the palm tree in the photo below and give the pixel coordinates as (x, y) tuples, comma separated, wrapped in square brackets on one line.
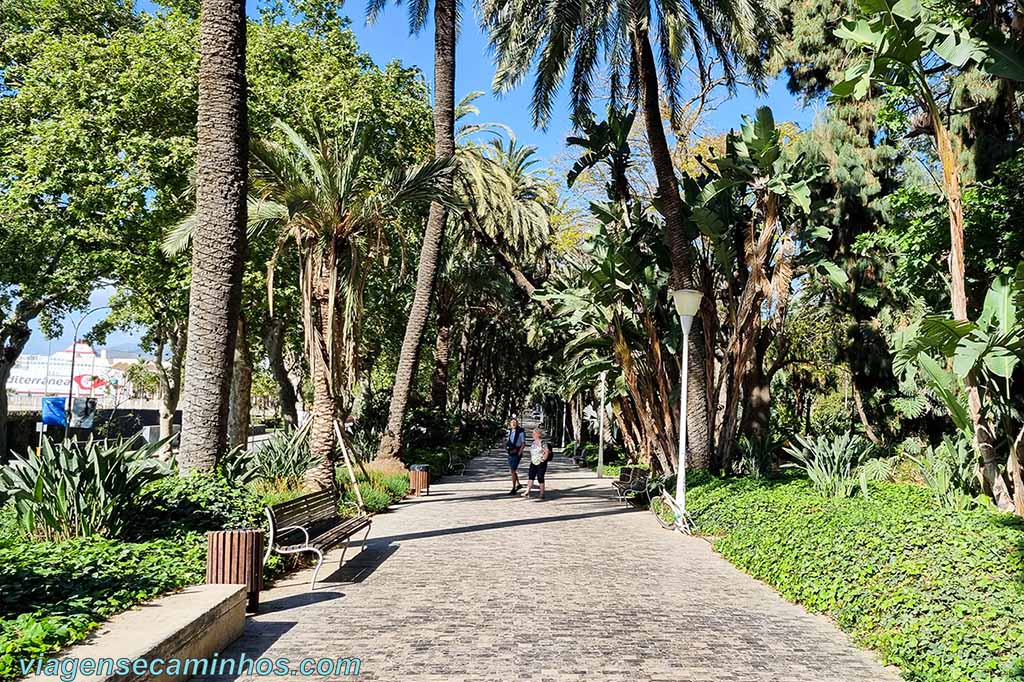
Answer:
[(313, 195), (219, 253), (445, 20), (507, 205), (561, 38)]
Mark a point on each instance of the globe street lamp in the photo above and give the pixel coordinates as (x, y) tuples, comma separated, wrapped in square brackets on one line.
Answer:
[(687, 302)]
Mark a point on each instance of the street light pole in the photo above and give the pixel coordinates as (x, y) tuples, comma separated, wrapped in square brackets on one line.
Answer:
[(71, 383), (687, 302), (565, 412), (600, 431)]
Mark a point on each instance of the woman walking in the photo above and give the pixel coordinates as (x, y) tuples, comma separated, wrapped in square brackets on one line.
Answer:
[(540, 455)]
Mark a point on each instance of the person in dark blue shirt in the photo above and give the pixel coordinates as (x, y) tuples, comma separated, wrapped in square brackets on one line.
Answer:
[(515, 441)]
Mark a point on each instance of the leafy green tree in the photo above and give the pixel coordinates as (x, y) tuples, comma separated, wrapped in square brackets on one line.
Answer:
[(66, 219), (102, 114), (896, 41), (774, 189), (988, 354)]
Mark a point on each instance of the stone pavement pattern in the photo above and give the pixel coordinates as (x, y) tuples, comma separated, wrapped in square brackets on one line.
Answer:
[(470, 583)]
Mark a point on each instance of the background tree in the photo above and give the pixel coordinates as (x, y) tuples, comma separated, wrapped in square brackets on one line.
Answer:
[(729, 33), (445, 29), (70, 204), (897, 40)]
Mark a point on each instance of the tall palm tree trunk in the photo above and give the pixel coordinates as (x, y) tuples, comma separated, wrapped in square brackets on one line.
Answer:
[(442, 354), (698, 430), (273, 341), (218, 249), (239, 412), (321, 434), (433, 238)]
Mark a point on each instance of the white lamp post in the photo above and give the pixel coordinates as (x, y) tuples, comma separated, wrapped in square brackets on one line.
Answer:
[(600, 432), (687, 302)]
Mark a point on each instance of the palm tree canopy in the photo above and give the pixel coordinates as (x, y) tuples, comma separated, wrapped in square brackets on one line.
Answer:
[(510, 200), (558, 36), (498, 183), (314, 188)]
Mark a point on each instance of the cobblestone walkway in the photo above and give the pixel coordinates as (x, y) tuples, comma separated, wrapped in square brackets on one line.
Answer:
[(469, 583)]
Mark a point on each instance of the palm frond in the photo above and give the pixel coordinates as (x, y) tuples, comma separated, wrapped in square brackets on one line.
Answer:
[(178, 239)]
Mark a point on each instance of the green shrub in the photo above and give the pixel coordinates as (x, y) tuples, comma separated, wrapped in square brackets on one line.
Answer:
[(396, 485), (55, 593), (436, 459), (9, 528), (938, 593), (832, 464), (281, 460), (196, 503), (78, 489), (375, 500), (270, 494), (758, 455)]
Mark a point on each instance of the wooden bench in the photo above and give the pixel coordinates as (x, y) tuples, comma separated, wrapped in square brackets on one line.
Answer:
[(311, 523), (631, 480)]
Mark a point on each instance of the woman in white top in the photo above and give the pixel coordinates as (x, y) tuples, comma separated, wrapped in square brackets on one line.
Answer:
[(540, 453)]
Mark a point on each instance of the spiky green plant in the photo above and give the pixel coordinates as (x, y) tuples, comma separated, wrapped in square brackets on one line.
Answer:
[(948, 472), (832, 464), (73, 489)]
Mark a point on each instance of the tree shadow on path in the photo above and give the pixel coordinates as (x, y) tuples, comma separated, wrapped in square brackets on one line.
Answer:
[(497, 525)]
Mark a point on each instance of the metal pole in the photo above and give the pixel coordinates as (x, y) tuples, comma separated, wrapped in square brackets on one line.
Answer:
[(684, 377), (49, 352), (600, 431), (565, 412), (71, 384)]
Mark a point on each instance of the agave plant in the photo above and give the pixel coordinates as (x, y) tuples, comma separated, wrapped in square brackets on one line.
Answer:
[(949, 472), (238, 465), (281, 460), (758, 454), (78, 489), (833, 465)]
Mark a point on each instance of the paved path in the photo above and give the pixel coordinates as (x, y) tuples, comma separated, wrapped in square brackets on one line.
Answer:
[(469, 583)]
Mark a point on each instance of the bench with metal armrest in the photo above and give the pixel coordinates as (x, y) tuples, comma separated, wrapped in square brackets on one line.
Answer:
[(631, 480), (311, 523)]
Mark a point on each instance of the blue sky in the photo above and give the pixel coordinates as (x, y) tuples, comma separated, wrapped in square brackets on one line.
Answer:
[(389, 39)]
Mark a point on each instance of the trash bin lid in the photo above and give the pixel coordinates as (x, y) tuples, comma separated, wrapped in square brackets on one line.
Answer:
[(419, 467)]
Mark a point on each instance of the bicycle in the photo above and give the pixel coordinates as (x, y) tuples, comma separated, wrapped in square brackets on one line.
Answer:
[(668, 512)]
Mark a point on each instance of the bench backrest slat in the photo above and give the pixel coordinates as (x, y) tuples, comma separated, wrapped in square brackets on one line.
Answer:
[(305, 510)]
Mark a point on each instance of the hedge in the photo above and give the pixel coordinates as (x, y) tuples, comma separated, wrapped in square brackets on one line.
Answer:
[(55, 593), (938, 593)]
